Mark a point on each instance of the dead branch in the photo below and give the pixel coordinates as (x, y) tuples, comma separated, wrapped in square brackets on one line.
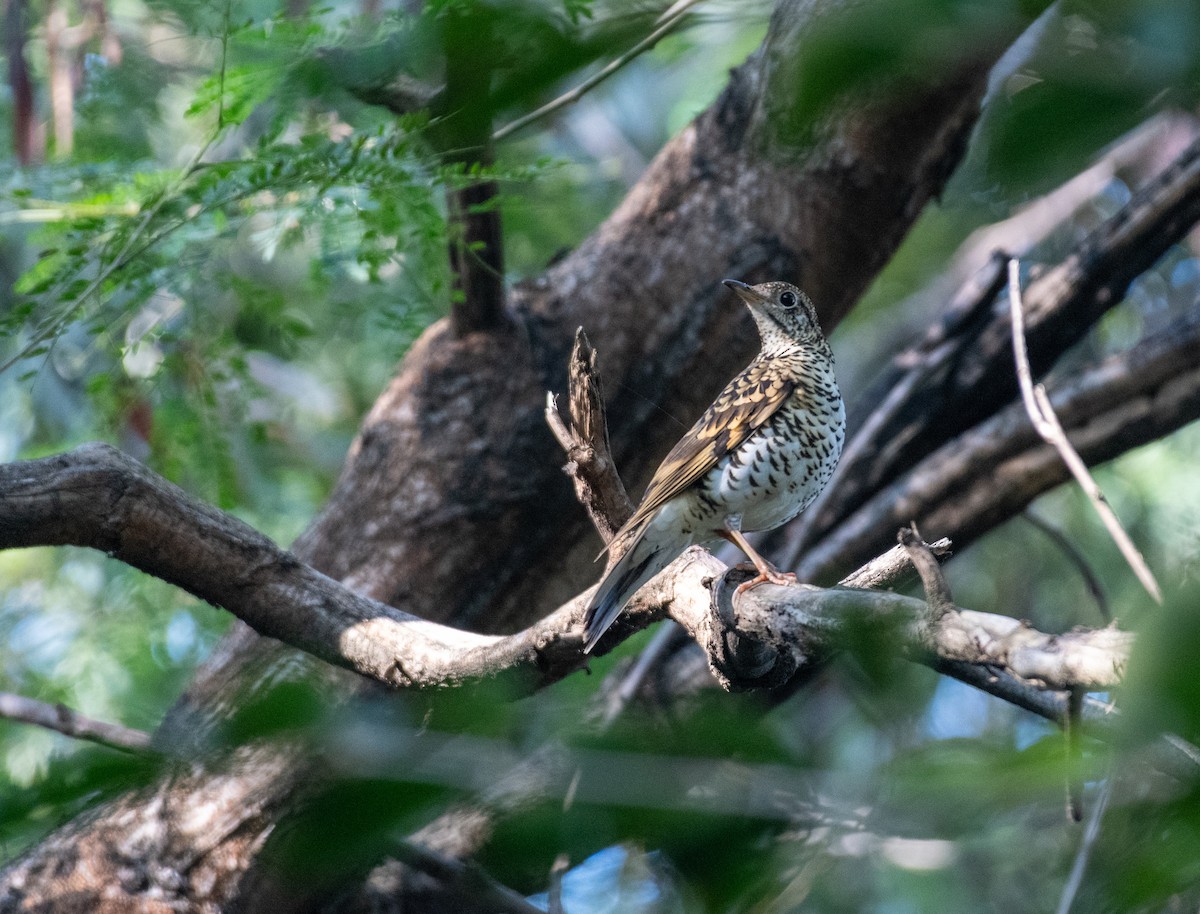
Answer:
[(590, 465), (893, 568), (64, 720), (937, 591), (1041, 413)]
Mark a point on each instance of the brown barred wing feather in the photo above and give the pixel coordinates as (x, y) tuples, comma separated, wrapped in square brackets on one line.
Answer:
[(746, 404)]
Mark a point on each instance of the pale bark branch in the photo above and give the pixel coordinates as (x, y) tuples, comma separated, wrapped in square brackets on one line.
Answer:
[(61, 719), (790, 626), (1045, 422)]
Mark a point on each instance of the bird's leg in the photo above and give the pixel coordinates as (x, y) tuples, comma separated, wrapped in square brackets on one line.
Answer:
[(766, 571)]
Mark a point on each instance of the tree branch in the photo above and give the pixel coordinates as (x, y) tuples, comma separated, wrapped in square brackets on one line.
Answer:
[(792, 625), (473, 214), (1046, 423), (590, 465), (64, 720), (961, 373), (994, 470), (1075, 556), (95, 496), (664, 24)]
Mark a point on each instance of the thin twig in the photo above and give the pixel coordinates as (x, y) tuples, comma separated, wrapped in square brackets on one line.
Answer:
[(937, 591), (620, 697), (1076, 557), (1090, 833), (1073, 731), (71, 723), (554, 902), (665, 23), (892, 568), (1041, 413)]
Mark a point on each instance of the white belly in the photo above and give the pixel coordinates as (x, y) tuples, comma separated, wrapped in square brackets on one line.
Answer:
[(778, 471)]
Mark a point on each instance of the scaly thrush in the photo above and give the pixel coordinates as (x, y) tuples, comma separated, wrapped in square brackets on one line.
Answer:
[(758, 456)]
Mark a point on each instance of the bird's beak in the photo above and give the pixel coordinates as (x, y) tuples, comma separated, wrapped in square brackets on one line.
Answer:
[(746, 293)]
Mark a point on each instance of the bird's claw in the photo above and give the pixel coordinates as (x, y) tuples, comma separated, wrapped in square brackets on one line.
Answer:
[(768, 575)]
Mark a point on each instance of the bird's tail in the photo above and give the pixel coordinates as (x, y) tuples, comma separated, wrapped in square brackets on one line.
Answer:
[(644, 558)]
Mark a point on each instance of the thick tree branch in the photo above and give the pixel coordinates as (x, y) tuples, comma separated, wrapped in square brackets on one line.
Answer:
[(71, 723), (791, 626), (96, 496)]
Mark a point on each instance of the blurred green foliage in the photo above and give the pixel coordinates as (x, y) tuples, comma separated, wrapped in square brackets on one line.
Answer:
[(221, 276)]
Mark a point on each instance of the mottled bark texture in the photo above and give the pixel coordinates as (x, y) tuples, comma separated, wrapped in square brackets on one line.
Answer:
[(452, 501)]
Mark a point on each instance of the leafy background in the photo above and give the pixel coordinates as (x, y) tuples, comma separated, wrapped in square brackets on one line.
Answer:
[(221, 273)]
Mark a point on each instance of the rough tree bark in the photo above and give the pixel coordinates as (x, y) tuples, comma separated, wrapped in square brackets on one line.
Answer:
[(451, 504)]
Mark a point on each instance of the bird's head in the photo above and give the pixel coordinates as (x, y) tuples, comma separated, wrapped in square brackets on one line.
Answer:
[(785, 315)]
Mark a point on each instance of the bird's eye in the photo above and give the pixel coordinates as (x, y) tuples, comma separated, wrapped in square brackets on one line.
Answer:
[(788, 299)]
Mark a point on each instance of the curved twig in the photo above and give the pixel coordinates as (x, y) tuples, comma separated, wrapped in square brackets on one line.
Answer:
[(1045, 421), (69, 722)]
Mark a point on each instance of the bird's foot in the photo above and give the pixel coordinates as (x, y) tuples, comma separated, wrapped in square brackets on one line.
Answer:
[(767, 575)]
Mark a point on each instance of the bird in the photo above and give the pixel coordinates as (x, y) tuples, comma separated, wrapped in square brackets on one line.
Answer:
[(759, 455)]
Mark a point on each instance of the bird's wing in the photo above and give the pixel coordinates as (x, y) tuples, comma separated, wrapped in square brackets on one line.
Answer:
[(746, 403)]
